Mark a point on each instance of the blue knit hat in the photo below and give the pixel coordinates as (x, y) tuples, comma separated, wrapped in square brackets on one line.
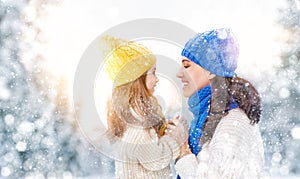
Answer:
[(216, 50)]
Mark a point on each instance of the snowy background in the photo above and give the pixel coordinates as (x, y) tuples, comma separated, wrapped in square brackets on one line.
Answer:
[(41, 42)]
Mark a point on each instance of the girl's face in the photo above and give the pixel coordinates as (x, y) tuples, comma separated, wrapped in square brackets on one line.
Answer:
[(151, 79), (193, 77)]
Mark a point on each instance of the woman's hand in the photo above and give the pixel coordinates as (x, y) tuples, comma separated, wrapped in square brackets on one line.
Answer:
[(184, 150)]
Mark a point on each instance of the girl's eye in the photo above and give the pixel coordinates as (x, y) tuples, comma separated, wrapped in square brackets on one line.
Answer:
[(186, 66), (152, 73)]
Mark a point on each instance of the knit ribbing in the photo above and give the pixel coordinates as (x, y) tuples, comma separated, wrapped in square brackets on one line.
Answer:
[(144, 155), (235, 151)]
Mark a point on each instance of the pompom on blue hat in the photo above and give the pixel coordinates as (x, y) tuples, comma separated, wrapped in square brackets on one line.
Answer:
[(217, 51)]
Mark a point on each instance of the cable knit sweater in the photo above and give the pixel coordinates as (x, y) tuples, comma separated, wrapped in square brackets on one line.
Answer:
[(142, 154), (234, 152)]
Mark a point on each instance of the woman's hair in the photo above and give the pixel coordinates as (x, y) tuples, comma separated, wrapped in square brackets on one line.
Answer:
[(132, 96), (225, 90)]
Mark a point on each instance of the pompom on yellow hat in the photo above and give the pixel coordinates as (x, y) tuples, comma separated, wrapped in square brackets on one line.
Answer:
[(125, 61)]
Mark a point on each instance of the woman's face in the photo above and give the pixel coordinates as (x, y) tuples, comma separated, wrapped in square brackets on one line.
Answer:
[(193, 77), (151, 79)]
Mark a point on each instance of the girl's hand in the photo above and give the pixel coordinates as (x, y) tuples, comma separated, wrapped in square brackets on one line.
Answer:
[(177, 128), (174, 121)]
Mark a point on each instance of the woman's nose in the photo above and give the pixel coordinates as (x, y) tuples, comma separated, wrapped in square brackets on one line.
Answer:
[(179, 74)]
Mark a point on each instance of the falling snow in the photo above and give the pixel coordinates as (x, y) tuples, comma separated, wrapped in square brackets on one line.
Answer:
[(37, 138), (39, 141)]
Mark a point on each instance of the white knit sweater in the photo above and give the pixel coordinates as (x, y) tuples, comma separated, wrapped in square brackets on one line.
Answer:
[(234, 152), (143, 155)]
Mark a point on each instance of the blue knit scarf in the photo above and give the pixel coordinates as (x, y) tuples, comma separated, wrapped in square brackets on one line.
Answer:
[(199, 106)]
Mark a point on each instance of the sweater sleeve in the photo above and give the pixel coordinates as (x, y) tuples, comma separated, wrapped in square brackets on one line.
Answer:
[(158, 153), (186, 167), (225, 156)]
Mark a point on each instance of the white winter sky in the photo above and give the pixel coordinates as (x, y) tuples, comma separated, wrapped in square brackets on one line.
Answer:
[(73, 25), (70, 27)]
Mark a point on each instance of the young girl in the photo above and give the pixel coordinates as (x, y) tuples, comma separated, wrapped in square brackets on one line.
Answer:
[(224, 138), (135, 120)]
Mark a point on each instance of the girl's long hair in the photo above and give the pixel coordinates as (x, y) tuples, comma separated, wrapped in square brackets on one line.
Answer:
[(132, 96), (223, 91)]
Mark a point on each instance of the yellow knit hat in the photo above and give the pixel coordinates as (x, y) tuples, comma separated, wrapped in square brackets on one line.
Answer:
[(125, 61)]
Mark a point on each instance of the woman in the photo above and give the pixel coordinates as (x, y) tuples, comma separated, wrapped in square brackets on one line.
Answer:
[(135, 120), (224, 138)]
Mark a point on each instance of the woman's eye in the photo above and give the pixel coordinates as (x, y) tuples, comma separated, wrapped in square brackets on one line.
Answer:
[(186, 66)]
